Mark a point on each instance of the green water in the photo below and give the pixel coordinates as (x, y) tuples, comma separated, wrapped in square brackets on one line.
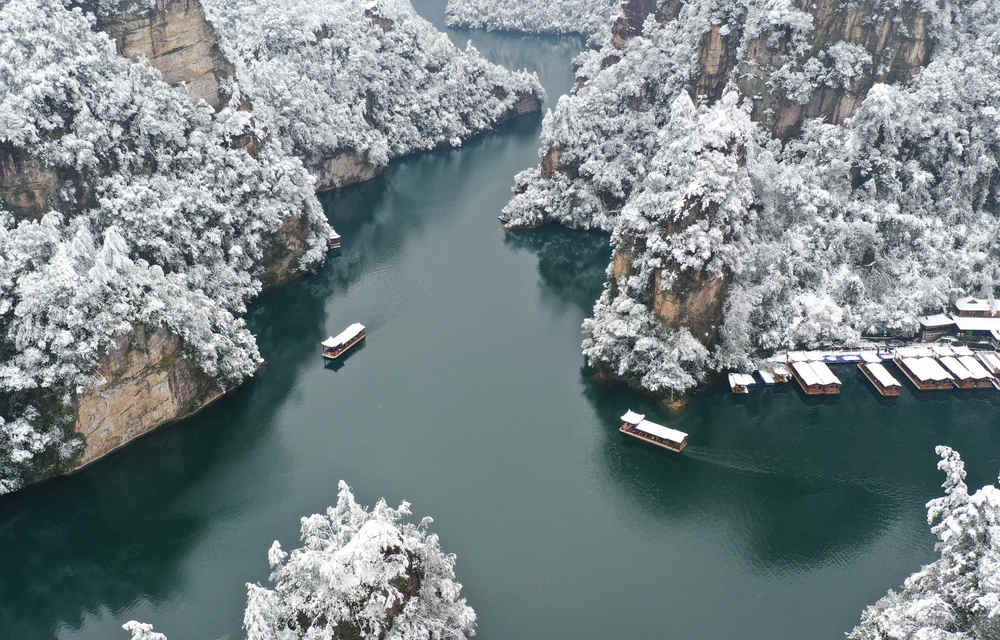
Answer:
[(781, 520)]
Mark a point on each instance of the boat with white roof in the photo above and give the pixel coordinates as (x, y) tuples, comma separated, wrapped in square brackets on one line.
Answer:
[(635, 425), (741, 382), (922, 369), (335, 346), (815, 378), (883, 381)]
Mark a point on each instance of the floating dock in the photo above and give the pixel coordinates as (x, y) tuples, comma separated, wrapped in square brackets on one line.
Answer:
[(635, 425)]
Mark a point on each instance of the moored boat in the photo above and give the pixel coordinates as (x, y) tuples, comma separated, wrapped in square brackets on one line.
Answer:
[(741, 382), (635, 425), (335, 346), (883, 381)]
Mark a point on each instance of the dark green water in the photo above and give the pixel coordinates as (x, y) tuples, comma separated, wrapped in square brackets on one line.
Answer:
[(782, 519)]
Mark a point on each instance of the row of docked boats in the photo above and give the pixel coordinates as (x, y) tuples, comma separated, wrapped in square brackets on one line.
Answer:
[(927, 367)]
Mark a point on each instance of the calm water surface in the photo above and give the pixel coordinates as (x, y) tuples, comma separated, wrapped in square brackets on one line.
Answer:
[(783, 518)]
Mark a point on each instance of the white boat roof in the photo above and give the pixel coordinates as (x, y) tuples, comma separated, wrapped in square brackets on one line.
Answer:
[(334, 235), (974, 367), (344, 336), (781, 369), (742, 379), (977, 324), (825, 374), (766, 376), (962, 350), (870, 356), (936, 320), (632, 417), (971, 303), (915, 351), (956, 368), (815, 373), (990, 359), (658, 430), (882, 374), (926, 369), (942, 350)]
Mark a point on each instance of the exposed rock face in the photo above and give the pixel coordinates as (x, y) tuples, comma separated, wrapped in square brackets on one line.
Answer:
[(347, 167), (694, 302), (896, 40), (27, 187), (149, 382), (176, 39)]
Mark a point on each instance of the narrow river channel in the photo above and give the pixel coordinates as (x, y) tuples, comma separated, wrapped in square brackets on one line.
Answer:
[(782, 519)]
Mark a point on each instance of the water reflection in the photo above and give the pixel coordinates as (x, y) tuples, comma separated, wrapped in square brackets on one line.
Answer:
[(571, 264), (785, 514)]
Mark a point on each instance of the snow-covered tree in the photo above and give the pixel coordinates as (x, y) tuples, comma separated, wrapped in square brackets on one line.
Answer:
[(360, 574), (840, 230), (163, 220), (369, 77), (956, 597), (585, 17)]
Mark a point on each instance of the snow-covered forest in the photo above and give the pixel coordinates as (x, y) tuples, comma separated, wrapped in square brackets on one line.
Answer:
[(841, 229), (168, 215), (161, 221), (370, 78), (585, 17), (956, 597), (359, 573)]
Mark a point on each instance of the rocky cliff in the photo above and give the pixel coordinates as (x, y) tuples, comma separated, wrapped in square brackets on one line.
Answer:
[(719, 230), (149, 381), (176, 39), (27, 186)]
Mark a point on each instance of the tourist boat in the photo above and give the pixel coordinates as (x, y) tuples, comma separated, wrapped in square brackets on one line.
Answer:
[(968, 372), (741, 382), (334, 239), (815, 378), (635, 425), (990, 360), (335, 346), (924, 372), (781, 373), (883, 381)]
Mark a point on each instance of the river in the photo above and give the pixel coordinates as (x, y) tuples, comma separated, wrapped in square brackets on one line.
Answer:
[(783, 518)]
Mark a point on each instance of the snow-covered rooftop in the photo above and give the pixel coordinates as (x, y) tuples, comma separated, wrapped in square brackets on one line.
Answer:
[(926, 369), (956, 368), (976, 304), (977, 324), (936, 320), (344, 336), (882, 374), (974, 367), (741, 379), (870, 356), (631, 417), (658, 430), (815, 373), (990, 359)]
